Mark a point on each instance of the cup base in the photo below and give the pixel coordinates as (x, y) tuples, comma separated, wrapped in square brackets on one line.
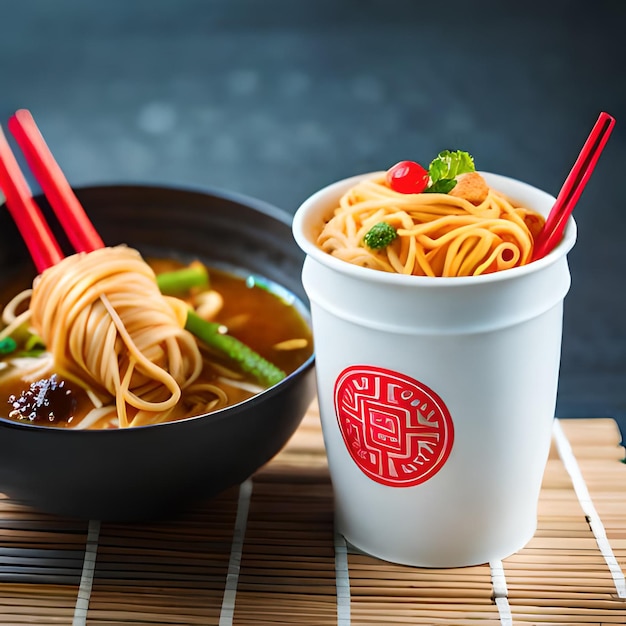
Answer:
[(412, 558)]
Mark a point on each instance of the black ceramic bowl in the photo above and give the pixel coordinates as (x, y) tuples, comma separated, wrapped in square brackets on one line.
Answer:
[(156, 471)]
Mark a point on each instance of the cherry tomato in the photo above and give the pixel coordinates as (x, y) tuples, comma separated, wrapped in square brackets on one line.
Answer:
[(407, 177)]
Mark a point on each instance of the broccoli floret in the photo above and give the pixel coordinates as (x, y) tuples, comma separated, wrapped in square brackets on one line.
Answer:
[(380, 236)]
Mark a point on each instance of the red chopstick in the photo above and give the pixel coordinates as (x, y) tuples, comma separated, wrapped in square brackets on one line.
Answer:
[(570, 193), (43, 248), (70, 213), (40, 241)]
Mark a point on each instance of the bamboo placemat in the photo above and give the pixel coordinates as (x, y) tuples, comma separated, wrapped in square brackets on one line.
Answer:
[(266, 553)]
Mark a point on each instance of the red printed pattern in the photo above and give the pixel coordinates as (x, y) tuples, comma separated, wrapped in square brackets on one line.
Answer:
[(397, 430)]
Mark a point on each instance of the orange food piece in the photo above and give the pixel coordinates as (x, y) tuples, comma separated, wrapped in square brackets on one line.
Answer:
[(471, 187)]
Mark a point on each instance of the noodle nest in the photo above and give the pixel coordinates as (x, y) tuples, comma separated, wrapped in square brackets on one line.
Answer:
[(437, 234), (109, 329)]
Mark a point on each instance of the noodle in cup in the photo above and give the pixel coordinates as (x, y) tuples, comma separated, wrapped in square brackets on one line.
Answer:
[(437, 394)]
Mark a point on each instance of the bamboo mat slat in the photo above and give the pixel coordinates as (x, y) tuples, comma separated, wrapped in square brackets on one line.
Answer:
[(266, 553)]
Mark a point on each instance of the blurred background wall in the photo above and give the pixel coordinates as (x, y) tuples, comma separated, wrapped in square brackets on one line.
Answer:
[(276, 98)]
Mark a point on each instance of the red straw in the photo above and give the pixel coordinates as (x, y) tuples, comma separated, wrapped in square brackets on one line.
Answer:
[(573, 186), (79, 229), (40, 241)]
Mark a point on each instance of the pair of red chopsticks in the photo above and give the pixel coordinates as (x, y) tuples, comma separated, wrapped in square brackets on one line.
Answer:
[(43, 247), (573, 186)]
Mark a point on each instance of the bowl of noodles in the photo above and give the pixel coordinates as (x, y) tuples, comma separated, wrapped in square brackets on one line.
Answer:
[(159, 370)]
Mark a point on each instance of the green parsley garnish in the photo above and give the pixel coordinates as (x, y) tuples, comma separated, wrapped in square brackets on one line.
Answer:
[(380, 236), (445, 167)]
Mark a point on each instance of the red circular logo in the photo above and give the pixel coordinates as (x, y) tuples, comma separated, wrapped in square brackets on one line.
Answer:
[(396, 429)]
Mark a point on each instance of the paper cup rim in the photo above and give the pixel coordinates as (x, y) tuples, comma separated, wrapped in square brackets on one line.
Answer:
[(368, 274)]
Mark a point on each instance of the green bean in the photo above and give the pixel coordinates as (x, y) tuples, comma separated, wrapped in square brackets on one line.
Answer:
[(266, 373)]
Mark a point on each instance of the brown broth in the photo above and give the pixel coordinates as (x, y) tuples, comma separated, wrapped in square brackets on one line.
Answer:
[(270, 321)]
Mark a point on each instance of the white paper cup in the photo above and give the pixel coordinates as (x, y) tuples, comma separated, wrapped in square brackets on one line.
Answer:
[(436, 395)]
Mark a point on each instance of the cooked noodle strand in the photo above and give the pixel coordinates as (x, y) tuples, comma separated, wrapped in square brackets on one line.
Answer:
[(438, 234)]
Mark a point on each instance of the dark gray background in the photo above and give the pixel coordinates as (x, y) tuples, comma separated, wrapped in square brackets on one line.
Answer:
[(275, 98)]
